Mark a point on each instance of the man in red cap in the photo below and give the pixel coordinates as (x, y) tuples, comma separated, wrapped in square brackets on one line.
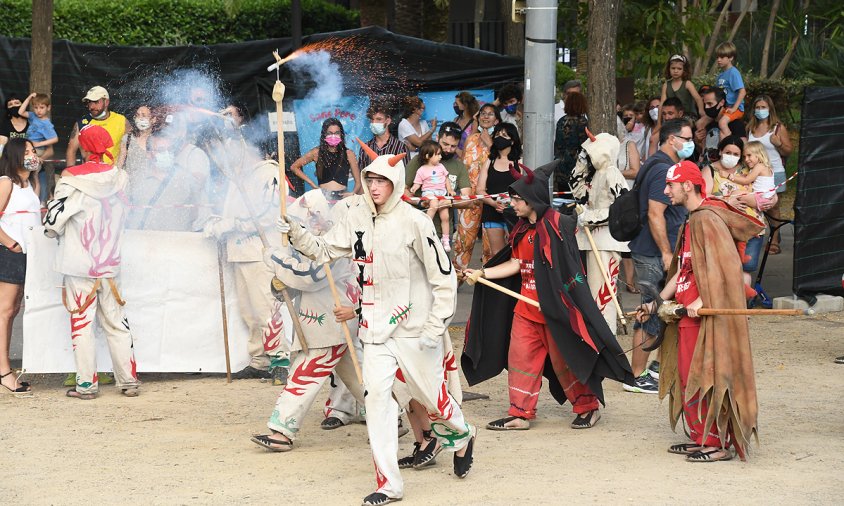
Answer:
[(710, 355), (88, 213)]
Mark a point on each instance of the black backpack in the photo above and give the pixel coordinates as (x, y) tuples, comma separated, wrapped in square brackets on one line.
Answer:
[(624, 221)]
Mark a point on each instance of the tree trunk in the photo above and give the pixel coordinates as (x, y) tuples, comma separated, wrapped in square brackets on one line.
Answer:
[(734, 30), (514, 33), (373, 13), (409, 17), (713, 39), (41, 56), (600, 70), (766, 49), (780, 70)]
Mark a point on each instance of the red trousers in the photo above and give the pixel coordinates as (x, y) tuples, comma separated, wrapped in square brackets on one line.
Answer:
[(530, 343), (694, 408)]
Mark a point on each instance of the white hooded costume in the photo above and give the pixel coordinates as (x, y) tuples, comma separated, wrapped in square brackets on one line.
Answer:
[(599, 183)]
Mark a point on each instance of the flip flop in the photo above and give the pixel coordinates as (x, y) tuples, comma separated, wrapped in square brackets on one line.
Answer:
[(331, 423), (377, 499), (702, 456), (774, 249), (267, 442), (586, 420), (684, 448), (501, 424), (76, 395)]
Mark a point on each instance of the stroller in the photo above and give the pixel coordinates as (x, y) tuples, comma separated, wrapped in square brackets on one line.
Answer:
[(762, 299)]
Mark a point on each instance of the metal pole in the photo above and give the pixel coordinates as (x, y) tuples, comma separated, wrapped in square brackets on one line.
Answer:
[(540, 73)]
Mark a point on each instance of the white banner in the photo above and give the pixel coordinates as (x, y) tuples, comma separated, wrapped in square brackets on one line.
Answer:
[(170, 282)]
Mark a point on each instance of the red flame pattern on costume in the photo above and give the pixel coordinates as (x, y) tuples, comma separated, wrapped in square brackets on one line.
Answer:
[(101, 244), (604, 295), (311, 371), (79, 320), (380, 479), (449, 364), (273, 329), (444, 407), (352, 292)]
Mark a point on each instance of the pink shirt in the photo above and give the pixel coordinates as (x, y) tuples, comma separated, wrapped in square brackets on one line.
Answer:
[(431, 177)]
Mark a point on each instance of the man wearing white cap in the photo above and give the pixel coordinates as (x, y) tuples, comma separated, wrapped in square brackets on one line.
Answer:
[(97, 102)]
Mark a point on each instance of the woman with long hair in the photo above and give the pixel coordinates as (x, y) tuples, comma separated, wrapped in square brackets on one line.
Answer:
[(475, 156), (334, 161), (413, 130), (496, 176), (570, 135), (764, 126), (19, 211), (466, 108)]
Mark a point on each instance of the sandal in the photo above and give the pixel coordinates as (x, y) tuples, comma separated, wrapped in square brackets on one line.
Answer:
[(131, 392), (24, 386), (273, 445), (425, 456), (377, 498), (632, 289), (331, 423), (586, 420), (78, 395), (707, 456), (407, 462), (462, 465), (502, 424), (685, 448), (774, 249)]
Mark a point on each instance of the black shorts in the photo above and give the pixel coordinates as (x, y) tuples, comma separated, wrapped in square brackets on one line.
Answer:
[(12, 266)]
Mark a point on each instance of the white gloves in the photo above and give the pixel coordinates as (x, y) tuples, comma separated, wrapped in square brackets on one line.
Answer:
[(431, 342), (282, 225), (216, 227)]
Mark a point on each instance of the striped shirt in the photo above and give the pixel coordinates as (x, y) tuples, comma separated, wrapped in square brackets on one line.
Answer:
[(393, 146)]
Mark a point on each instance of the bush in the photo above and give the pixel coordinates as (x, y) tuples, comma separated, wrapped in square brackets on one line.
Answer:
[(566, 73), (174, 22)]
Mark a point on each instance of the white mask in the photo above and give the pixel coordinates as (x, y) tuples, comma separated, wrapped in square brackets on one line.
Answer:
[(729, 161), (102, 115), (164, 159), (142, 123), (654, 113)]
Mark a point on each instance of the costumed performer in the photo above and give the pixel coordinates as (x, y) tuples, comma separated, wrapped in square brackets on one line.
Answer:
[(543, 263), (597, 181), (408, 295), (706, 362), (320, 319), (87, 215)]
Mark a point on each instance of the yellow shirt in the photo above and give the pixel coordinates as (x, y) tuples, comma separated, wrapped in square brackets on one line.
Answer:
[(115, 125)]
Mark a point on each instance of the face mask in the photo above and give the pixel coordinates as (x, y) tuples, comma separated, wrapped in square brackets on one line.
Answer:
[(762, 113), (654, 113), (31, 163), (687, 150), (13, 112), (458, 111), (142, 123), (626, 120), (490, 130), (712, 112), (729, 161), (102, 115), (511, 109), (447, 156), (501, 143), (377, 128), (332, 140)]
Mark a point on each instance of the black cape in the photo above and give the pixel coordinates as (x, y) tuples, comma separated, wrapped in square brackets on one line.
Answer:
[(576, 324)]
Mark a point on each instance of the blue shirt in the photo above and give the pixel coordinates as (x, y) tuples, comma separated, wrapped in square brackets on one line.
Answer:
[(40, 129), (730, 81), (651, 188)]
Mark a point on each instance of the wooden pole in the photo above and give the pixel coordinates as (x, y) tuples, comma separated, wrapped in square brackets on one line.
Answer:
[(278, 97), (223, 309), (511, 293), (606, 276), (348, 335), (706, 311)]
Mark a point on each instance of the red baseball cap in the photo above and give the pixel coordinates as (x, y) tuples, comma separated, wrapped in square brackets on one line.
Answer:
[(686, 171)]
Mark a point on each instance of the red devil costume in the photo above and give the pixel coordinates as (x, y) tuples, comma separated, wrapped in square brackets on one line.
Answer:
[(569, 330)]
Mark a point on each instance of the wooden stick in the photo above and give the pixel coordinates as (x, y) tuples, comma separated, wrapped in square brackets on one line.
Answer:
[(223, 309), (278, 96), (348, 335), (511, 293), (606, 276), (705, 311)]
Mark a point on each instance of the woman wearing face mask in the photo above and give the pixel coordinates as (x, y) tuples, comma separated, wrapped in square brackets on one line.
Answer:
[(651, 122), (570, 135), (138, 147), (466, 108), (334, 162), (19, 212), (628, 163), (413, 130), (13, 125), (765, 127), (495, 177), (475, 156)]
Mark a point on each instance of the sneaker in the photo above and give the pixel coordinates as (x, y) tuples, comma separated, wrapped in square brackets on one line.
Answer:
[(250, 372), (653, 369), (644, 384), (839, 360), (446, 244), (279, 375)]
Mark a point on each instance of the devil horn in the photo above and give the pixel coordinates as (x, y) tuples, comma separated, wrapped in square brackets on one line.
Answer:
[(395, 159), (528, 173), (515, 172), (369, 151), (590, 135)]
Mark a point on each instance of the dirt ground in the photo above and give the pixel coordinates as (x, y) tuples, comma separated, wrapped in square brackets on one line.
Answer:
[(185, 440)]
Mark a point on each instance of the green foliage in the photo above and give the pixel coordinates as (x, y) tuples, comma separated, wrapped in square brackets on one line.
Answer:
[(175, 22), (824, 66)]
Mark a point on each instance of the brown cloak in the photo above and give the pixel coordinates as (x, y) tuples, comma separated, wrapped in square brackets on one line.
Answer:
[(721, 371)]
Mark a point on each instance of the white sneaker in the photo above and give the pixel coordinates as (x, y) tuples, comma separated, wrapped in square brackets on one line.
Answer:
[(446, 244)]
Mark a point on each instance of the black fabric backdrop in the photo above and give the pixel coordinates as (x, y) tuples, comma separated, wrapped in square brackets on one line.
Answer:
[(373, 60), (819, 206)]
